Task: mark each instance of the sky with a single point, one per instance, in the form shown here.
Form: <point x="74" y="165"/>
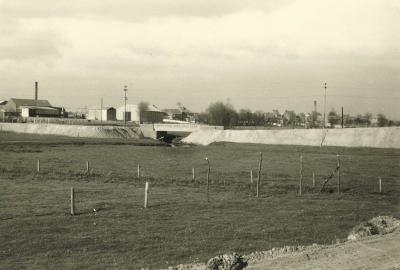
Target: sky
<point x="258" y="55"/>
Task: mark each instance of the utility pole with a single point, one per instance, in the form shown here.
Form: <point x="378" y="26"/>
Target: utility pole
<point x="325" y="87"/>
<point x="101" y="110"/>
<point x="342" y="119"/>
<point x="125" y="99"/>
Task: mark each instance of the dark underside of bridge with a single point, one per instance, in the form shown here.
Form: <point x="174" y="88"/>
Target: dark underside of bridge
<point x="170" y="137"/>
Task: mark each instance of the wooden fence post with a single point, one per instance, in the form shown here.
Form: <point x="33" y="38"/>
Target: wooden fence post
<point x="72" y="201"/>
<point x="380" y="184"/>
<point x="87" y="167"/>
<point x="146" y="195"/>
<point x="313" y="179"/>
<point x="301" y="175"/>
<point x="338" y="168"/>
<point x="251" y="176"/>
<point x="259" y="176"/>
<point x="38" y="166"/>
<point x="193" y="175"/>
<point x="208" y="179"/>
<point x="138" y="170"/>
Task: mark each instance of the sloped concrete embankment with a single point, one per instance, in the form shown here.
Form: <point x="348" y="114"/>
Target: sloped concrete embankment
<point x="388" y="137"/>
<point x="73" y="130"/>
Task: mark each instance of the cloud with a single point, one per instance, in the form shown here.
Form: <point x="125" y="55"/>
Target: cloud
<point x="39" y="49"/>
<point x="128" y="10"/>
<point x="28" y="41"/>
<point x="203" y="50"/>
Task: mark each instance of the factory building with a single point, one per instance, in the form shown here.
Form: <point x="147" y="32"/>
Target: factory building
<point x="103" y="114"/>
<point x="133" y="114"/>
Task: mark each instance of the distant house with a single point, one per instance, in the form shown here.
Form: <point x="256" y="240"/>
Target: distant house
<point x="30" y="108"/>
<point x="104" y="114"/>
<point x="180" y="115"/>
<point x="151" y="115"/>
<point x="2" y="109"/>
<point x="374" y="121"/>
<point x="174" y="114"/>
<point x="276" y="118"/>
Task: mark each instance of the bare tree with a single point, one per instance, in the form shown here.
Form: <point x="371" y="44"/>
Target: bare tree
<point x="222" y="114"/>
<point x="382" y="120"/>
<point x="368" y="118"/>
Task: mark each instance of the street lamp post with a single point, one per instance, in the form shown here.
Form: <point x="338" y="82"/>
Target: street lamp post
<point x="101" y="111"/>
<point x="125" y="99"/>
<point x="325" y="86"/>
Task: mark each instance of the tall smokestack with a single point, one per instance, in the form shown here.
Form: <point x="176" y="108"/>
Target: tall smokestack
<point x="315" y="106"/>
<point x="36" y="91"/>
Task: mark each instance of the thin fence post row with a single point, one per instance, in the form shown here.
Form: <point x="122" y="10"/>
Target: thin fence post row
<point x="138" y="170"/>
<point x="251" y="176"/>
<point x="313" y="179"/>
<point x="259" y="175"/>
<point x="380" y="184"/>
<point x="87" y="167"/>
<point x="208" y="179"/>
<point x="38" y="166"/>
<point x="146" y="195"/>
<point x="72" y="201"/>
<point x="301" y="175"/>
<point x="338" y="168"/>
<point x="193" y="175"/>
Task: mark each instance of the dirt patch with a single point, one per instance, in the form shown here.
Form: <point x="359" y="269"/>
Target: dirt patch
<point x="227" y="262"/>
<point x="378" y="225"/>
<point x="377" y="252"/>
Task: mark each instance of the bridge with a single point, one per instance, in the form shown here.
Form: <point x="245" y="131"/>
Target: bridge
<point x="158" y="130"/>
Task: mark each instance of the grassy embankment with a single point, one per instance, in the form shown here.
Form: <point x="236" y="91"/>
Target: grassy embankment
<point x="37" y="232"/>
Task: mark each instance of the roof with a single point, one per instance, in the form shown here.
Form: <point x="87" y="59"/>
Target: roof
<point x="40" y="107"/>
<point x="3" y="102"/>
<point x="98" y="108"/>
<point x="30" y="102"/>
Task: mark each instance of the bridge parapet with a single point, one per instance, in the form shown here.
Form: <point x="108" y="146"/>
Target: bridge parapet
<point x="152" y="130"/>
<point x="184" y="127"/>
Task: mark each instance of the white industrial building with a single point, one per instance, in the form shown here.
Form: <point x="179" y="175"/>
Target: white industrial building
<point x="133" y="114"/>
<point x="104" y="114"/>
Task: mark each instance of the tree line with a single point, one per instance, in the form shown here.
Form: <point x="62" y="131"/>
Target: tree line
<point x="224" y="114"/>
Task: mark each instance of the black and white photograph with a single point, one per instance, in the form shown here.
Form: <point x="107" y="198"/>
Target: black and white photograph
<point x="200" y="134"/>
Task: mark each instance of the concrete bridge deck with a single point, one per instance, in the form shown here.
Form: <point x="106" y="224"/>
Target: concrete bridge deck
<point x="158" y="130"/>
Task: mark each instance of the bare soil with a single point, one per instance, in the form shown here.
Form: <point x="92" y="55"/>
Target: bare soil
<point x="374" y="252"/>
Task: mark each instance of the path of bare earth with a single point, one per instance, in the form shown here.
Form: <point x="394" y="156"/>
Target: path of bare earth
<point x="375" y="252"/>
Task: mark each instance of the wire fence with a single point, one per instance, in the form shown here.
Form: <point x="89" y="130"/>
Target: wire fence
<point x="65" y="121"/>
<point x="303" y="176"/>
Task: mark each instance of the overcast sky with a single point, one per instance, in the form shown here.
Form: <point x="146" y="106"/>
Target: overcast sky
<point x="258" y="54"/>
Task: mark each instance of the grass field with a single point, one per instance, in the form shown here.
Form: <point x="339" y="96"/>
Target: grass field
<point x="37" y="232"/>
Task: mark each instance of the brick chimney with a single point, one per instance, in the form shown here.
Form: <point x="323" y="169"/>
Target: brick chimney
<point x="36" y="91"/>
